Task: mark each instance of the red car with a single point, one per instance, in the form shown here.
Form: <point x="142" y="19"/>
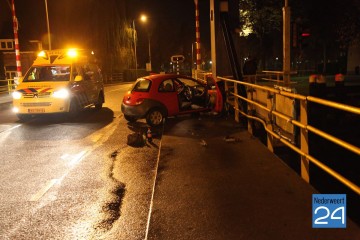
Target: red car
<point x="159" y="96"/>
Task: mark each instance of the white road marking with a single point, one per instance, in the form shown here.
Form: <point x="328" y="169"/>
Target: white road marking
<point x="74" y="160"/>
<point x="36" y="197"/>
<point x="12" y="128"/>
<point x="77" y="158"/>
<point x="153" y="190"/>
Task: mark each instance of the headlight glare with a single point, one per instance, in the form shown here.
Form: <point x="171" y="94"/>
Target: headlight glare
<point x="62" y="93"/>
<point x="16" y="95"/>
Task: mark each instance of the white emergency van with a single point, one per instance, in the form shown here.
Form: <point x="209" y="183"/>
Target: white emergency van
<point x="59" y="81"/>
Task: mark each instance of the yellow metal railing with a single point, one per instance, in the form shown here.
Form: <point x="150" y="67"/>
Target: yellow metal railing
<point x="302" y="123"/>
<point x="7" y="86"/>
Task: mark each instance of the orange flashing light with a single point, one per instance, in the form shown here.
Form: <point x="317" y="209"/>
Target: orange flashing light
<point x="42" y="54"/>
<point x="72" y="53"/>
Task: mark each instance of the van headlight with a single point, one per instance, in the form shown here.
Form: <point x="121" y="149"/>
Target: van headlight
<point x="62" y="93"/>
<point x="16" y="95"/>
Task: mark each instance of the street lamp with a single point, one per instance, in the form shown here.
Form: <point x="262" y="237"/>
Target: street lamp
<point x="144" y="18"/>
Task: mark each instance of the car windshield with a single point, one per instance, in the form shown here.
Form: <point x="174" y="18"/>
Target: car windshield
<point x="142" y="85"/>
<point x="48" y="73"/>
<point x="188" y="82"/>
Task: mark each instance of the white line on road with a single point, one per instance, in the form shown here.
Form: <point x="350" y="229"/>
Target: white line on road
<point x="153" y="189"/>
<point x="36" y="197"/>
<point x="12" y="128"/>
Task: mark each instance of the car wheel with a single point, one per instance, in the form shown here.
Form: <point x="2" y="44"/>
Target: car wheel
<point x="130" y="118"/>
<point x="100" y="102"/>
<point x="23" y="117"/>
<point x="155" y="117"/>
<point x="74" y="109"/>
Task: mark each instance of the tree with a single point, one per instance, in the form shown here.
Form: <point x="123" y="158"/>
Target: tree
<point x="264" y="17"/>
<point x="111" y="34"/>
<point x="331" y="25"/>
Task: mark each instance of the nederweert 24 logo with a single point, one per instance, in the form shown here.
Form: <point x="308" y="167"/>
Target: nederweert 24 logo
<point x="329" y="210"/>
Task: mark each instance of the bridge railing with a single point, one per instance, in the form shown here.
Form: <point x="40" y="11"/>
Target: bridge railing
<point x="7" y="86"/>
<point x="301" y="122"/>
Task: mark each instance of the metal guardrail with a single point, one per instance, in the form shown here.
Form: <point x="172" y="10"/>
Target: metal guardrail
<point x="113" y="77"/>
<point x="7" y="86"/>
<point x="302" y="123"/>
<point x="277" y="76"/>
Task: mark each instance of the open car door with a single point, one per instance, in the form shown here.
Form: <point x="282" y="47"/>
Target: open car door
<point x="216" y="98"/>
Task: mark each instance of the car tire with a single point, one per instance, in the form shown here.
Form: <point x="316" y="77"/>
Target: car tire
<point x="73" y="109"/>
<point x="24" y="117"/>
<point x="99" y="103"/>
<point x="155" y="117"/>
<point x="130" y="118"/>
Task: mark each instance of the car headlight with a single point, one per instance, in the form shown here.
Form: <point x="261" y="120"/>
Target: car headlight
<point x="62" y="93"/>
<point x="16" y="95"/>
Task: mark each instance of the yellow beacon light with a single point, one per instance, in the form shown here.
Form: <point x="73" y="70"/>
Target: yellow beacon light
<point x="72" y="53"/>
<point x="42" y="54"/>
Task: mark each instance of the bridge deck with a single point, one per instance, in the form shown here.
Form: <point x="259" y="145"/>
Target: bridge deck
<point x="224" y="190"/>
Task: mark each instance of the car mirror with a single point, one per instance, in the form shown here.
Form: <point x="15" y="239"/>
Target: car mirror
<point x="78" y="78"/>
<point x="18" y="80"/>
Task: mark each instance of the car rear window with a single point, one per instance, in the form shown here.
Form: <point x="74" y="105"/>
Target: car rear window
<point x="142" y="85"/>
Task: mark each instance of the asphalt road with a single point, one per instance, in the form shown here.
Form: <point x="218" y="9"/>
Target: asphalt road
<point x="77" y="179"/>
<point x="62" y="179"/>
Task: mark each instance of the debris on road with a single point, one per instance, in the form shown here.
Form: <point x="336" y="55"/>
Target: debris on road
<point x="149" y="135"/>
<point x="231" y="139"/>
<point x="203" y="143"/>
<point x="136" y="139"/>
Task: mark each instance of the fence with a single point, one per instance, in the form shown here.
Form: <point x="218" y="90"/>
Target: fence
<point x="7" y="86"/>
<point x="301" y="122"/>
<point x="113" y="77"/>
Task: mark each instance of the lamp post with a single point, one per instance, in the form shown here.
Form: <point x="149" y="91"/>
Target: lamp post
<point x="134" y="35"/>
<point x="48" y="25"/>
<point x="144" y="18"/>
<point x="286" y="42"/>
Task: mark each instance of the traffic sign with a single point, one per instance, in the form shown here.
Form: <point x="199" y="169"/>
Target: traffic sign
<point x="177" y="58"/>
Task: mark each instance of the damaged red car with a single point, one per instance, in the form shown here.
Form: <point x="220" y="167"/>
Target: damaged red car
<point x="156" y="97"/>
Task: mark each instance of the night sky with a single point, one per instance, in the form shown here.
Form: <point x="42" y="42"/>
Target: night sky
<point x="173" y="20"/>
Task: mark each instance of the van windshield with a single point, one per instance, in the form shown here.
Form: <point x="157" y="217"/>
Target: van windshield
<point x="48" y="73"/>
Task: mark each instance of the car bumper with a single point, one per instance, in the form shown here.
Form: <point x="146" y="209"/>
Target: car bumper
<point x="39" y="106"/>
<point x="138" y="111"/>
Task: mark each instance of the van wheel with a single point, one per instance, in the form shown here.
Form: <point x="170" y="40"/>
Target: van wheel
<point x="155" y="117"/>
<point x="100" y="102"/>
<point x="74" y="109"/>
<point x="23" y="117"/>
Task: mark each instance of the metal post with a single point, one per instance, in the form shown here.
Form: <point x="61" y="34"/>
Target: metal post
<point x="134" y="34"/>
<point x="212" y="33"/>
<point x="197" y="26"/>
<point x="192" y="61"/>
<point x="270" y="138"/>
<point x="286" y="43"/>
<point x="48" y="25"/>
<point x="149" y="53"/>
<point x="304" y="142"/>
<point x="236" y="103"/>
<point x="250" y="95"/>
<point x="16" y="38"/>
